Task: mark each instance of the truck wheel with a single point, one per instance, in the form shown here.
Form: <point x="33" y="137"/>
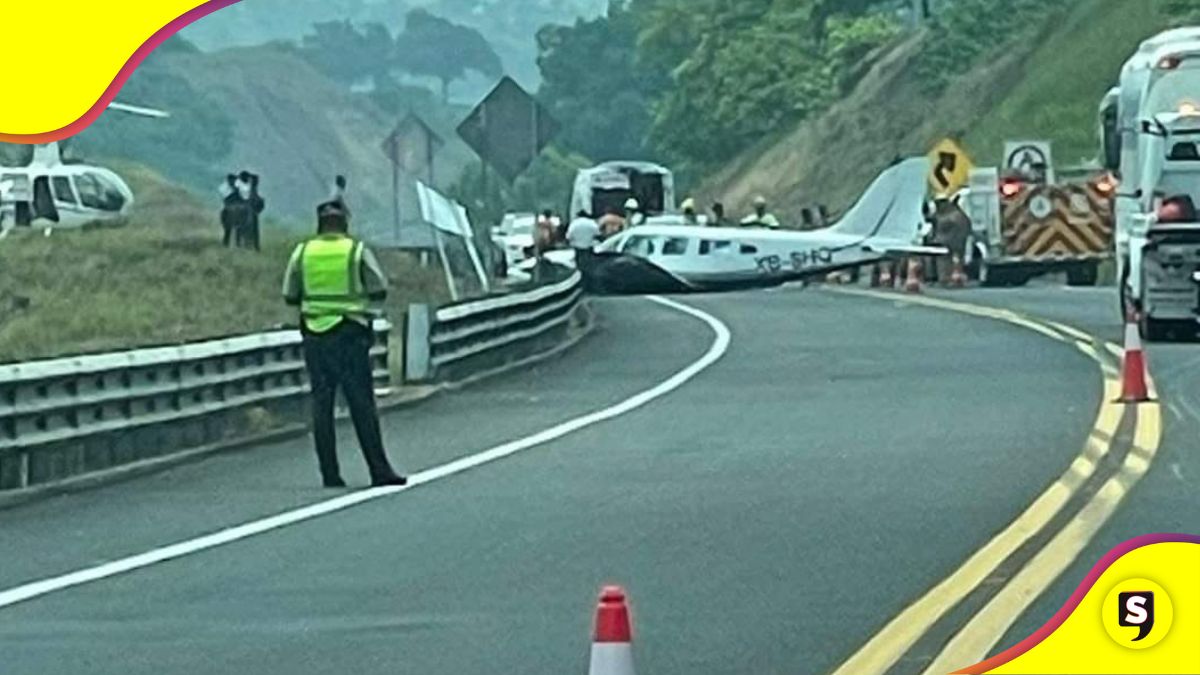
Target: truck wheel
<point x="1084" y="274"/>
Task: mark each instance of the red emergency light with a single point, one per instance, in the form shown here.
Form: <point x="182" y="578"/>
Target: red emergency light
<point x="1010" y="188"/>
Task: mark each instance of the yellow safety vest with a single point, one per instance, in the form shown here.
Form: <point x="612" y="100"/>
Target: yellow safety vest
<point x="331" y="286"/>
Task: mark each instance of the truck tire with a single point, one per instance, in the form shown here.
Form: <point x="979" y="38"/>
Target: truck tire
<point x="1083" y="274"/>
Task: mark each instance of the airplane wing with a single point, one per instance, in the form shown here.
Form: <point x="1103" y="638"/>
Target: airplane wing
<point x="899" y="249"/>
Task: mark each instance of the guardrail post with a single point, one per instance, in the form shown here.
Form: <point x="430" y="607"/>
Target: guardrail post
<point x="417" y="325"/>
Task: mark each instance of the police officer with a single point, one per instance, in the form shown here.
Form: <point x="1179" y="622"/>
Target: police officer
<point x="333" y="278"/>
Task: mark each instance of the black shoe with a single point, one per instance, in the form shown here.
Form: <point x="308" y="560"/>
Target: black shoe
<point x="334" y="483"/>
<point x="389" y="481"/>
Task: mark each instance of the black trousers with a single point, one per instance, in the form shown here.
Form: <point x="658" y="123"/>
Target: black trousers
<point x="341" y="359"/>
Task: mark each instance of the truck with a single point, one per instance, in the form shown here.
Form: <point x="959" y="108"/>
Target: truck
<point x="609" y="185"/>
<point x="1026" y="225"/>
<point x="1149" y="130"/>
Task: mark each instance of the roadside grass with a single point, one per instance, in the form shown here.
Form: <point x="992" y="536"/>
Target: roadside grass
<point x="163" y="278"/>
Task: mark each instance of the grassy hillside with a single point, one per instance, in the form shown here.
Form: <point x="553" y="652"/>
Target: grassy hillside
<point x="161" y="279"/>
<point x="1064" y="79"/>
<point x="267" y="110"/>
<point x="1046" y="83"/>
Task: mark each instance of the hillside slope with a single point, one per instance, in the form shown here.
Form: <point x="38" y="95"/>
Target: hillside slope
<point x="163" y="278"/>
<point x="1047" y="84"/>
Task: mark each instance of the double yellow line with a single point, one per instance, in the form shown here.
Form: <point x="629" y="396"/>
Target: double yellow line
<point x="985" y="629"/>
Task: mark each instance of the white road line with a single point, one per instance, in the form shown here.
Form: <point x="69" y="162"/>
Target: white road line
<point x="719" y="346"/>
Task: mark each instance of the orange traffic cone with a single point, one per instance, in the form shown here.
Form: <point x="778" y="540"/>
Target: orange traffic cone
<point x="912" y="281"/>
<point x="1133" y="365"/>
<point x="612" y="644"/>
<point x="958" y="278"/>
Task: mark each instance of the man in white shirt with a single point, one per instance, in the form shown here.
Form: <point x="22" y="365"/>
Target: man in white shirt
<point x="583" y="234"/>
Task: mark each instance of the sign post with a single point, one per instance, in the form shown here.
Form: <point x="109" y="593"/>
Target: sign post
<point x="411" y="148"/>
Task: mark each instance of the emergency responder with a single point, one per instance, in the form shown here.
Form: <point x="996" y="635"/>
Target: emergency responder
<point x="719" y="219"/>
<point x="689" y="212"/>
<point x="952" y="229"/>
<point x="333" y="278"/>
<point x="761" y="216"/>
<point x="633" y="213"/>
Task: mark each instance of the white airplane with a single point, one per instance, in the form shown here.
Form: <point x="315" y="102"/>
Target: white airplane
<point x="47" y="193"/>
<point x="887" y="222"/>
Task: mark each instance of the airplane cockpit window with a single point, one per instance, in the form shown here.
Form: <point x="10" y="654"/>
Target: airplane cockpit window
<point x="747" y="249"/>
<point x="639" y="245"/>
<point x="62" y="190"/>
<point x="98" y="192"/>
<point x="675" y="246"/>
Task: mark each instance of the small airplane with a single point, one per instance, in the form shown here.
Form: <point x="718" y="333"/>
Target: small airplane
<point x="887" y="222"/>
<point x="49" y="193"/>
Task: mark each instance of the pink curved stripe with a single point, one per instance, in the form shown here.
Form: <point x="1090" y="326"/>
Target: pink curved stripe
<point x="1084" y="588"/>
<point x="122" y="77"/>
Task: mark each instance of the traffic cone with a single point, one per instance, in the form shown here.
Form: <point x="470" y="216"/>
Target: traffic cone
<point x="912" y="281"/>
<point x="612" y="644"/>
<point x="958" y="278"/>
<point x="885" y="276"/>
<point x="1133" y="365"/>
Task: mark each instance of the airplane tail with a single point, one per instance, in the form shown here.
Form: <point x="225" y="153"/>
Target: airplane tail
<point x="892" y="207"/>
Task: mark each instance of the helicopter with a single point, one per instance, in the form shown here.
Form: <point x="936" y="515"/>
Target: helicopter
<point x="51" y="194"/>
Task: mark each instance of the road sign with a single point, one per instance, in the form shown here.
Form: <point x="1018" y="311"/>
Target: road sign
<point x="508" y="129"/>
<point x="1031" y="159"/>
<point x="412" y="145"/>
<point x="950" y="167"/>
<point x="410" y="148"/>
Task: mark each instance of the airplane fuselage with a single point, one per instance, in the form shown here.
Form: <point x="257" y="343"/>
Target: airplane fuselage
<point x="705" y="258"/>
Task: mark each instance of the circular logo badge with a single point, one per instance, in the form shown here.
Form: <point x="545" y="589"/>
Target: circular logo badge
<point x="1040" y="207"/>
<point x="1137" y="613"/>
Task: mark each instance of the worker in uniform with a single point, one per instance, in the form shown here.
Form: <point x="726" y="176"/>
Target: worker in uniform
<point x="689" y="212"/>
<point x="951" y="229"/>
<point x="761" y="216"/>
<point x="333" y="279"/>
<point x="633" y="213"/>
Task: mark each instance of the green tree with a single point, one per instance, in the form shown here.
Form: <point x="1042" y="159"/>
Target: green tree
<point x="431" y="46"/>
<point x="349" y="54"/>
<point x="594" y="86"/>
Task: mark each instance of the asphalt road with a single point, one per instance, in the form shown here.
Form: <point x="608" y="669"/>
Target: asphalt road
<point x="768" y="512"/>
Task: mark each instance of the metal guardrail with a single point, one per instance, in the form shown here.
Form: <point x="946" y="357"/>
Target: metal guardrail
<point x="475" y="329"/>
<point x="63" y="400"/>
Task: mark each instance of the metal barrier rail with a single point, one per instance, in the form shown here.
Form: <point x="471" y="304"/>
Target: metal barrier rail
<point x="58" y="400"/>
<point x="457" y="333"/>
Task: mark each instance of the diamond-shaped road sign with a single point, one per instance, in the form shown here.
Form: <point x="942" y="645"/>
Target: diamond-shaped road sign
<point x="412" y="145"/>
<point x="508" y="129"/>
<point x="950" y="166"/>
